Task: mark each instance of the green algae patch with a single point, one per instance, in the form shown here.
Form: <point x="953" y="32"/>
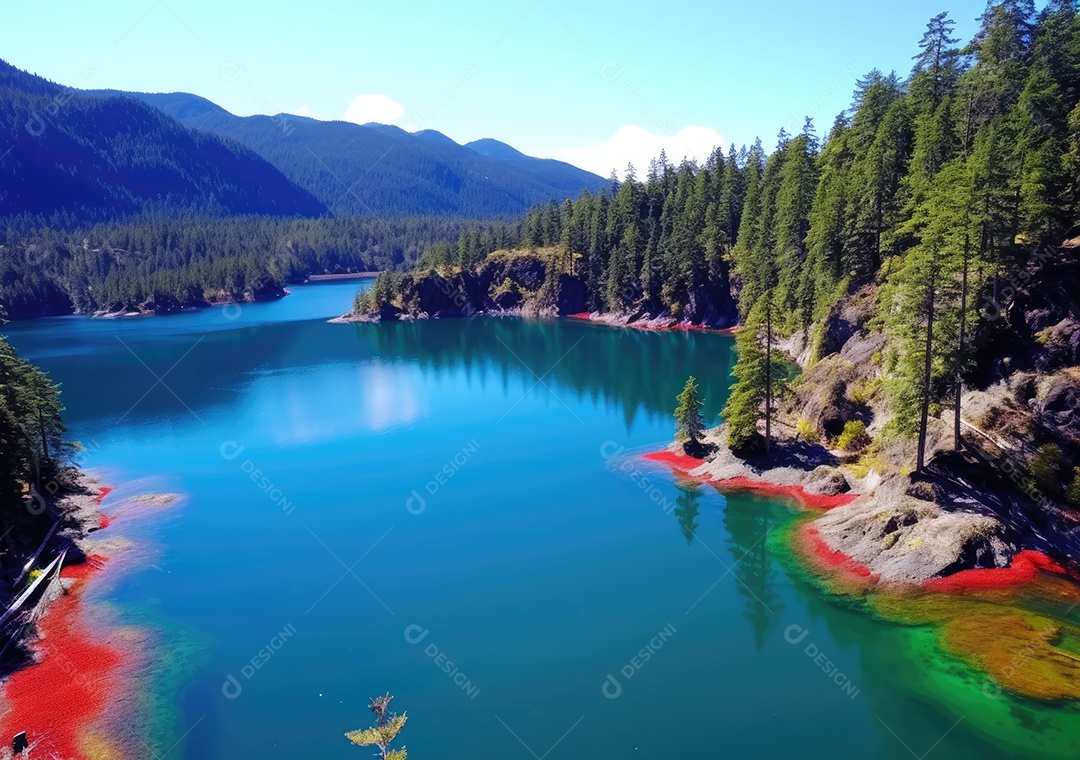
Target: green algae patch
<point x="1019" y="650"/>
<point x="1004" y="661"/>
<point x="1025" y="728"/>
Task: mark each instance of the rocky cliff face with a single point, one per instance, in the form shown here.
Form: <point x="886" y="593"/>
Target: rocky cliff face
<point x="1011" y="488"/>
<point x="527" y="284"/>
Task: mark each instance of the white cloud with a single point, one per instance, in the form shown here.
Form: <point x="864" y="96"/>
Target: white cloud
<point x="305" y="110"/>
<point x="636" y="145"/>
<point x="379" y="108"/>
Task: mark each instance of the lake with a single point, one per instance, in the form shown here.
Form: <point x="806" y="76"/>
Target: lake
<point x="455" y="512"/>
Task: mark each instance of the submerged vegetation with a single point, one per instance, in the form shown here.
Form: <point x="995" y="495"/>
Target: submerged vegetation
<point x="974" y="652"/>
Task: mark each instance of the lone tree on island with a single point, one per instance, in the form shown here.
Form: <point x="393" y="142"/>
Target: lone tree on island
<point x="384" y="732"/>
<point x="689" y="424"/>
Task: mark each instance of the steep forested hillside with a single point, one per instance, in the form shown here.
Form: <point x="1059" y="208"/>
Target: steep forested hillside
<point x="380" y="169"/>
<point x="99" y="157"/>
<point x="936" y="223"/>
<point x="33" y="447"/>
<point x="944" y="194"/>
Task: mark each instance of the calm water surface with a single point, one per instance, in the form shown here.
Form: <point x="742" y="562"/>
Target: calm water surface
<point x="453" y="511"/>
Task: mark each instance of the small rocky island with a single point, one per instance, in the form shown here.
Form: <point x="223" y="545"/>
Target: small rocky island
<point x="531" y="282"/>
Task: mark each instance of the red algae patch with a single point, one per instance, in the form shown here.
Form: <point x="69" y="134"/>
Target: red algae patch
<point x="840" y="566"/>
<point x="646" y="325"/>
<point x="80" y="572"/>
<point x="103" y="491"/>
<point x="683" y="463"/>
<point x="1024" y="569"/>
<point x="75" y="679"/>
<point x="798" y="493"/>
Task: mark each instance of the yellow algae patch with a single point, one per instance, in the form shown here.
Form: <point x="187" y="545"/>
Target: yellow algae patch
<point x="98" y="747"/>
<point x="1017" y="649"/>
<point x="1054" y="589"/>
<point x="1025" y="652"/>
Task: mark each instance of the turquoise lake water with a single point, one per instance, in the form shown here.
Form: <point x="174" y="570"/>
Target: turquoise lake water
<point x="454" y="512"/>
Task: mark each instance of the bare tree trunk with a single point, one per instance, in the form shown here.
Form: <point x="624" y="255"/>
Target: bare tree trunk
<point x="967" y="124"/>
<point x="962" y="348"/>
<point x="925" y="416"/>
<point x="1016" y="201"/>
<point x="768" y="375"/>
<point x="44" y="438"/>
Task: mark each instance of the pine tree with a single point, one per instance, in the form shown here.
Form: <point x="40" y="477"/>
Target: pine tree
<point x="794" y="200"/>
<point x="384" y="732"/>
<point x="729" y="201"/>
<point x="750" y="226"/>
<point x="937" y="65"/>
<point x="877" y="174"/>
<point x="760" y="379"/>
<point x="926" y="304"/>
<point x="689" y="423"/>
<point x="1000" y="47"/>
<point x="622" y="288"/>
<point x="597" y="257"/>
<point x="829" y="218"/>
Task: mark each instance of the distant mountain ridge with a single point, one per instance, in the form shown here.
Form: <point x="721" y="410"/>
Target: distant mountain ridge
<point x="96" y="157"/>
<point x="383" y="169"/>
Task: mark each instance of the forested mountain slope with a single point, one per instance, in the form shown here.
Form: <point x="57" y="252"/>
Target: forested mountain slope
<point x="381" y="169"/>
<point x="161" y="263"/>
<point x="95" y="158"/>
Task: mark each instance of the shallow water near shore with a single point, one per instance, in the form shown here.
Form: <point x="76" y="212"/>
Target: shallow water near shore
<point x="454" y="511"/>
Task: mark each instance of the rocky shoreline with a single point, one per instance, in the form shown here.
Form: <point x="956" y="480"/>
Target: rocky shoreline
<point x="170" y="306"/>
<point x="994" y="576"/>
<point x="531" y="285"/>
<point x="75" y="673"/>
<point x="897" y="529"/>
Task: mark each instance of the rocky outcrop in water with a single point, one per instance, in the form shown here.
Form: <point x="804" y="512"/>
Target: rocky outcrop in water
<point x="1005" y="493"/>
<point x="528" y="285"/>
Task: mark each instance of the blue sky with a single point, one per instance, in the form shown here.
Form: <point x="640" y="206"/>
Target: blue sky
<point x="594" y="83"/>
